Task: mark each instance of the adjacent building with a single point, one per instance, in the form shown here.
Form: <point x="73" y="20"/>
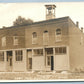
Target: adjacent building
<point x="55" y="44"/>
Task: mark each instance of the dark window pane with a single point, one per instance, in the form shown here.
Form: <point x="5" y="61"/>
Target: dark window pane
<point x="1" y="56"/>
<point x="60" y="50"/>
<point x="58" y="31"/>
<point x="34" y="35"/>
<point x="64" y="50"/>
<point x="46" y="31"/>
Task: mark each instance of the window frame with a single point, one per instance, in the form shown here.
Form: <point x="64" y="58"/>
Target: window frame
<point x="18" y="55"/>
<point x="34" y="38"/>
<point x="1" y="56"/>
<point x="58" y="37"/>
<point x="3" y="41"/>
<point x="45" y="42"/>
<point x="81" y="41"/>
<point x="63" y="52"/>
<point x="15" y="41"/>
<point x="38" y="52"/>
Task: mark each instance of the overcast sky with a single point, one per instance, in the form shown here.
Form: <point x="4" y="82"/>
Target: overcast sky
<point x="36" y="11"/>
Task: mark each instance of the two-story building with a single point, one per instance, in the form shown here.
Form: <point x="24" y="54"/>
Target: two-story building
<point x="54" y="44"/>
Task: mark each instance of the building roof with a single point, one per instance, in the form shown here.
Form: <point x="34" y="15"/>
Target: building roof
<point x="40" y="22"/>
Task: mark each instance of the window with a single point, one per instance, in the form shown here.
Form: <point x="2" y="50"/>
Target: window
<point x="34" y="38"/>
<point x="34" y="35"/>
<point x="58" y="32"/>
<point x="49" y="51"/>
<point x="19" y="55"/>
<point x="81" y="42"/>
<point x="38" y="51"/>
<point x="1" y="56"/>
<point x="15" y="40"/>
<point x="45" y="38"/>
<point x="3" y="41"/>
<point x="58" y="35"/>
<point x="64" y="50"/>
<point x="48" y="60"/>
<point x="60" y="50"/>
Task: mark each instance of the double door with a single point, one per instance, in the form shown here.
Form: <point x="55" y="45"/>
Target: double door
<point x="50" y="62"/>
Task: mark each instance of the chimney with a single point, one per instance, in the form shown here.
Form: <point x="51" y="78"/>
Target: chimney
<point x="81" y="29"/>
<point x="50" y="11"/>
<point x="77" y="24"/>
<point x="3" y="27"/>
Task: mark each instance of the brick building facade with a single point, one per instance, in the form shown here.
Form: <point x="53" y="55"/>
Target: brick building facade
<point x="53" y="44"/>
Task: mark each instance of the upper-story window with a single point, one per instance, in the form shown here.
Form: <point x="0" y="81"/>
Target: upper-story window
<point x="81" y="41"/>
<point x="15" y="40"/>
<point x="3" y="41"/>
<point x="58" y="35"/>
<point x="45" y="38"/>
<point x="34" y="38"/>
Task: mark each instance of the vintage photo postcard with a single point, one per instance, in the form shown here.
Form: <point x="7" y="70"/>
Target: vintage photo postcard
<point x="42" y="41"/>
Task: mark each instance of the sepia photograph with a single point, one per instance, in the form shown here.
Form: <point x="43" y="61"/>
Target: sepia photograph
<point x="42" y="41"/>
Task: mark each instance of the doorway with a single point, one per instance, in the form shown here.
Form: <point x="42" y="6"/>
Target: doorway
<point x="9" y="60"/>
<point x="30" y="63"/>
<point x="52" y="63"/>
<point x="29" y="59"/>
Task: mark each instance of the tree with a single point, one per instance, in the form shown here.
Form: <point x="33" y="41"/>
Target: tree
<point x="22" y="21"/>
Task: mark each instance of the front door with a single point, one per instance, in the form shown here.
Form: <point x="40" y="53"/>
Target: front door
<point x="29" y="59"/>
<point x="52" y="63"/>
<point x="9" y="61"/>
<point x="29" y="63"/>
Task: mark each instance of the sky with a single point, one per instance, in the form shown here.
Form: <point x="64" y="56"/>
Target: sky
<point x="14" y="1"/>
<point x="37" y="12"/>
<point x="48" y="83"/>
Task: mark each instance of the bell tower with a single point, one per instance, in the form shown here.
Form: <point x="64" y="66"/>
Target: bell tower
<point x="50" y="11"/>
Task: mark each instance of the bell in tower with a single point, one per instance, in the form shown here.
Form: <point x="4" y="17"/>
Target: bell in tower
<point x="50" y="11"/>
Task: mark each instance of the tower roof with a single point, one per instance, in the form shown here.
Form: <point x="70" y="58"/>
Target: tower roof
<point x="50" y="6"/>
